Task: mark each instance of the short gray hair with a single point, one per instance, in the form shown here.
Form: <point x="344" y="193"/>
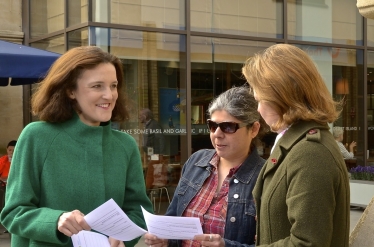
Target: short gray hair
<point x="240" y="103"/>
<point x="337" y="131"/>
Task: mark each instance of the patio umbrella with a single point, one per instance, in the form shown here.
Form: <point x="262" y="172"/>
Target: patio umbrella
<point x="22" y="65"/>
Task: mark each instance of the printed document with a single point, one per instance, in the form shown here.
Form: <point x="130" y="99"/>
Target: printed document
<point x="110" y="220"/>
<point x="172" y="227"/>
<point x="90" y="239"/>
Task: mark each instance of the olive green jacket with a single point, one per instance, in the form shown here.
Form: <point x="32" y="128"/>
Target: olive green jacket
<point x="302" y="192"/>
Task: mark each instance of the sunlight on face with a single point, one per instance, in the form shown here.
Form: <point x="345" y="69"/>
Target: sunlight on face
<point x="233" y="146"/>
<point x="267" y="112"/>
<point x="96" y="94"/>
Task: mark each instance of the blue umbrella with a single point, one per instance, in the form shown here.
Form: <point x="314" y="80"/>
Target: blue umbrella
<point x="23" y="64"/>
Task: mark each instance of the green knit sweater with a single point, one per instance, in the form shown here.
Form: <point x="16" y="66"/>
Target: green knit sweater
<point x="58" y="168"/>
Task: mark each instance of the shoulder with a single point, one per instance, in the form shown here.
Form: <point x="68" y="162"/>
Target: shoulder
<point x="40" y="130"/>
<point x="201" y="157"/>
<point x="316" y="154"/>
<point x="203" y="153"/>
<point x="3" y="158"/>
<point x="41" y="127"/>
<point x="123" y="139"/>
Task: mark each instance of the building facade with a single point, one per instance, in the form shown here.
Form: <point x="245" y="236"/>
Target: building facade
<point x="179" y="54"/>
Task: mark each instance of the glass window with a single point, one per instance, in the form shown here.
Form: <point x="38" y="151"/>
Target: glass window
<point x="54" y="44"/>
<point x="46" y="16"/>
<point x="155" y="79"/>
<point x="148" y="13"/>
<point x="215" y="67"/>
<point x="78" y="38"/>
<point x="370" y="107"/>
<point x="260" y="18"/>
<point x="342" y="71"/>
<point x="370" y="32"/>
<point x="331" y="21"/>
<point x="77" y="11"/>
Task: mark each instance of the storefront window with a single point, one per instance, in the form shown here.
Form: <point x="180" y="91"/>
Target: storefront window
<point x="240" y="17"/>
<point x="370" y="108"/>
<point x="147" y="13"/>
<point x="330" y="21"/>
<point x="342" y="71"/>
<point x="155" y="85"/>
<point x="78" y="38"/>
<point x="46" y="16"/>
<point x="215" y="67"/>
<point x="77" y="11"/>
<point x="370" y="32"/>
<point x="53" y="44"/>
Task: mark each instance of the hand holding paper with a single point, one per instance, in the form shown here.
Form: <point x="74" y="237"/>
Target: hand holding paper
<point x="109" y="219"/>
<point x="172" y="227"/>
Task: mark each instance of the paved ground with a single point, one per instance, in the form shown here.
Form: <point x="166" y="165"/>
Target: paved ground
<point x="5" y="237"/>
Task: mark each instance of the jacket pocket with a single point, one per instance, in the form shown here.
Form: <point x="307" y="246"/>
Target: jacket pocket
<point x="250" y="208"/>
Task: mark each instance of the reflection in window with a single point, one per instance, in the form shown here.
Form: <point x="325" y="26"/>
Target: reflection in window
<point x="341" y="23"/>
<point x="215" y="67"/>
<point x="155" y="13"/>
<point x="341" y="70"/>
<point x="46" y="16"/>
<point x="249" y="18"/>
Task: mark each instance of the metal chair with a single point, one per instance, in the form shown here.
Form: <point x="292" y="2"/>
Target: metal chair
<point x="156" y="181"/>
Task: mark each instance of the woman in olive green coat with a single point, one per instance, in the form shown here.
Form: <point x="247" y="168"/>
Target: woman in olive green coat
<point x="302" y="192"/>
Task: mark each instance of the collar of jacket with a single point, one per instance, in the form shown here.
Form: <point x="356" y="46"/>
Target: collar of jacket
<point x="298" y="131"/>
<point x="245" y="172"/>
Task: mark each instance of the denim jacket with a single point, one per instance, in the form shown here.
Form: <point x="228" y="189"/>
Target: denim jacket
<point x="240" y="226"/>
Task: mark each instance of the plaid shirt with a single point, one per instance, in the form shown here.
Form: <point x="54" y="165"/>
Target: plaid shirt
<point x="210" y="206"/>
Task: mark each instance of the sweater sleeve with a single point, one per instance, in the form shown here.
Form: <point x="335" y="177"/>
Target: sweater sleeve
<point x="21" y="215"/>
<point x="344" y="151"/>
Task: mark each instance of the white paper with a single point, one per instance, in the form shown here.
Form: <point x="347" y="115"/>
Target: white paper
<point x="110" y="220"/>
<point x="90" y="239"/>
<point x="172" y="227"/>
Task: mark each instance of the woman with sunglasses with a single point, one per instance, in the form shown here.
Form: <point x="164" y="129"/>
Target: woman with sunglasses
<point x="216" y="184"/>
<point x="302" y="193"/>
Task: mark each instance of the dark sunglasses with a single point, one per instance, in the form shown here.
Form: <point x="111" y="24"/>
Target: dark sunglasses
<point x="226" y="127"/>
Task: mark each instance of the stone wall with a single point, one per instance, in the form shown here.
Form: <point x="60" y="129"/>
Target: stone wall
<point x="11" y="97"/>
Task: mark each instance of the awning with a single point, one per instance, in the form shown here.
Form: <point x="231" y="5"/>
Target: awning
<point x="20" y="65"/>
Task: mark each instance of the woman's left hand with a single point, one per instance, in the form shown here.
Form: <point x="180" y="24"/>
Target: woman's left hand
<point x="115" y="243"/>
<point x="213" y="240"/>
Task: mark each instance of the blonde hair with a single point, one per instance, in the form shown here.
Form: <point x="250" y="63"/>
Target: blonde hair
<point x="286" y="78"/>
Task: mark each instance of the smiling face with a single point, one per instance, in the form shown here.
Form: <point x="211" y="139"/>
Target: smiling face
<point x="270" y="116"/>
<point x="96" y="94"/>
<point x="233" y="147"/>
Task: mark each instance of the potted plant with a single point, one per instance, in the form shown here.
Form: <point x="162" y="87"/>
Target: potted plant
<point x="362" y="173"/>
<point x="361" y="185"/>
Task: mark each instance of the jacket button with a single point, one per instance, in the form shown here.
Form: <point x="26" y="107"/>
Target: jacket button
<point x="236" y="196"/>
<point x="232" y="219"/>
<point x="236" y="181"/>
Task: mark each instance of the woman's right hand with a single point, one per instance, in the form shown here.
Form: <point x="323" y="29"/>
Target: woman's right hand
<point x="71" y="223"/>
<point x="153" y="241"/>
<point x="352" y="146"/>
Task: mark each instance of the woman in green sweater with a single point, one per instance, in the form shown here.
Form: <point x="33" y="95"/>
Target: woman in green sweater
<point x="73" y="161"/>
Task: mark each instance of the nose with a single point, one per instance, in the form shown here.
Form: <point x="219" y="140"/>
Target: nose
<point x="218" y="132"/>
<point x="108" y="93"/>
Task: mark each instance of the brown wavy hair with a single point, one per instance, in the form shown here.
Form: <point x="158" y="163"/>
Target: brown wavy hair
<point x="51" y="102"/>
<point x="286" y="78"/>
